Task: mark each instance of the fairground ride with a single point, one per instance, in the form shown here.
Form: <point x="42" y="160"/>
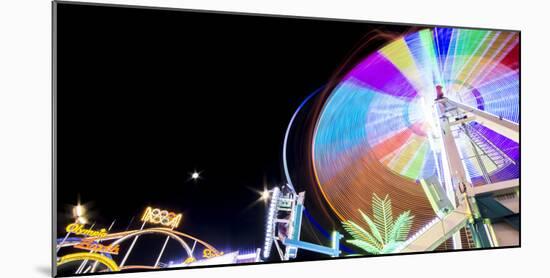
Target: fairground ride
<point x="430" y="119"/>
<point x="101" y="246"/>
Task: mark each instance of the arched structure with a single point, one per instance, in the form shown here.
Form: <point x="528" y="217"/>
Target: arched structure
<point x="109" y="263"/>
<point x="166" y="232"/>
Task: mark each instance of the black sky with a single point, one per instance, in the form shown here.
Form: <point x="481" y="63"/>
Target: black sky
<point x="145" y="97"/>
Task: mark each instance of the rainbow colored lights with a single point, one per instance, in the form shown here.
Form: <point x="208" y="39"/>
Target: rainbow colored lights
<point x="376" y="133"/>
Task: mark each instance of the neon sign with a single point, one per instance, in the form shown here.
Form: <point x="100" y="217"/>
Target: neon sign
<point x="162" y="217"/>
<point x="97" y="247"/>
<point x="209" y="253"/>
<point x="79" y="229"/>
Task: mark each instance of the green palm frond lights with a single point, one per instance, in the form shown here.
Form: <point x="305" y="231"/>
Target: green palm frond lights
<point x="385" y="234"/>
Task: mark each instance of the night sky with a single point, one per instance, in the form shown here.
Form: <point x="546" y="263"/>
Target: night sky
<point x="146" y="97"/>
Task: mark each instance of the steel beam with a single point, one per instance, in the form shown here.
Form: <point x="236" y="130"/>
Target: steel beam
<point x="504" y="127"/>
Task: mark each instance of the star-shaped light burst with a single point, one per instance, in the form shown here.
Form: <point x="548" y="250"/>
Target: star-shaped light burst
<point x="79" y="213"/>
<point x="264" y="195"/>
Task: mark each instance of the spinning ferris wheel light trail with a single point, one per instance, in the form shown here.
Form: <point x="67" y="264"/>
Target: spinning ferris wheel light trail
<point x="439" y="106"/>
<point x="432" y="119"/>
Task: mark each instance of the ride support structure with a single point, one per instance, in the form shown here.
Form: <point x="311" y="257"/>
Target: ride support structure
<point x="457" y="202"/>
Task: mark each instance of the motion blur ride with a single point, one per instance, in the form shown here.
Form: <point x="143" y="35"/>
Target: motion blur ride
<point x="431" y="119"/>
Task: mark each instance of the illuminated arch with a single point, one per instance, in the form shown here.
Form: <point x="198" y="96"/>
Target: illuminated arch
<point x="122" y="236"/>
<point x="203" y="243"/>
<point x="109" y="263"/>
<point x="167" y="232"/>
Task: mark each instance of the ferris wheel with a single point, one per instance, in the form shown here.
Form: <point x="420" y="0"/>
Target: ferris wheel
<point x="432" y="120"/>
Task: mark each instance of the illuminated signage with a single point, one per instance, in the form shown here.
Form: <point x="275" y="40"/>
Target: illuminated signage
<point x="162" y="217"/>
<point x="79" y="229"/>
<point x="97" y="247"/>
<point x="189" y="260"/>
<point x="209" y="253"/>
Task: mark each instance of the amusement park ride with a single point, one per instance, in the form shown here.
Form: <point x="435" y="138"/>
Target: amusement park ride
<point x="284" y="221"/>
<point x="195" y="251"/>
<point x="457" y="203"/>
<point x="388" y="126"/>
<point x="460" y="204"/>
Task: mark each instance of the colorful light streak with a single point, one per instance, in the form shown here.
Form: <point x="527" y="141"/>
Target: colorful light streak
<point x="375" y="132"/>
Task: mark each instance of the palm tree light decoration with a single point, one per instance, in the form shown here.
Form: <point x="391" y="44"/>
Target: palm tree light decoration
<point x="385" y="234"/>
